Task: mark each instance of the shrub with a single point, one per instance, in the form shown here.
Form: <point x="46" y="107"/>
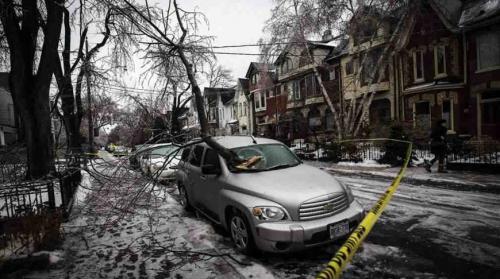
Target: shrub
<point x="395" y="152"/>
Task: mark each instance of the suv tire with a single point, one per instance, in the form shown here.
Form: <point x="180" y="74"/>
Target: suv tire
<point x="241" y="233"/>
<point x="184" y="198"/>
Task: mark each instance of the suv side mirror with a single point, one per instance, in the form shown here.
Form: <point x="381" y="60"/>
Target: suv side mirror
<point x="211" y="169"/>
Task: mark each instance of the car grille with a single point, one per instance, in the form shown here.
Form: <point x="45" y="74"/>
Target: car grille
<point x="323" y="206"/>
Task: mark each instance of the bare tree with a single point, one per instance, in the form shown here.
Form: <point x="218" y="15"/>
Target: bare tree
<point x="174" y="32"/>
<point x="218" y="76"/>
<point x="301" y="19"/>
<point x="105" y="20"/>
<point x="27" y="24"/>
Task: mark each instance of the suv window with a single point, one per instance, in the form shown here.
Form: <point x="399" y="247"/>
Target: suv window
<point x="185" y="153"/>
<point x="211" y="158"/>
<point x="196" y="156"/>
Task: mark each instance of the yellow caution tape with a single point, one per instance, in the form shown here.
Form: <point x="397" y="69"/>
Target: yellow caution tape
<point x="91" y="154"/>
<point x="347" y="251"/>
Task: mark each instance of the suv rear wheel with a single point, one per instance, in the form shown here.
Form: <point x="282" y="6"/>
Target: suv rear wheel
<point x="241" y="234"/>
<point x="183" y="198"/>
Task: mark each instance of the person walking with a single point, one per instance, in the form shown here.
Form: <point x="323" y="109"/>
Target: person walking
<point x="438" y="146"/>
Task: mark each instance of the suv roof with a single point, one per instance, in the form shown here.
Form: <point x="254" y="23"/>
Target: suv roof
<point x="240" y="141"/>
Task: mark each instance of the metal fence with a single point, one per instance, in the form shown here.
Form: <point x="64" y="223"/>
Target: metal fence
<point x="32" y="209"/>
<point x="464" y="155"/>
<point x="19" y="199"/>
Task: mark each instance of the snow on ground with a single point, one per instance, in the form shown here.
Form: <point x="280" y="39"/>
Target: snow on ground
<point x="365" y="163"/>
<point x="151" y="237"/>
<point x="128" y="227"/>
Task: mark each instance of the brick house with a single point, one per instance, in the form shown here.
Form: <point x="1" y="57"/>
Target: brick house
<point x="449" y="68"/>
<point x="480" y="24"/>
<point x="261" y="85"/>
<point x="430" y="69"/>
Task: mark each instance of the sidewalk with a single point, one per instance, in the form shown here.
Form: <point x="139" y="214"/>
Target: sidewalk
<point x="455" y="180"/>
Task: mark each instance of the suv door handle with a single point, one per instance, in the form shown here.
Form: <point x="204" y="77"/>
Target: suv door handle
<point x="203" y="177"/>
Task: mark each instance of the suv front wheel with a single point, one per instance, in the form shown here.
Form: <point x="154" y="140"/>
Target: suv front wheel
<point x="241" y="233"/>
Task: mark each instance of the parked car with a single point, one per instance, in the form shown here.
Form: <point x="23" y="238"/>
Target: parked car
<point x="160" y="161"/>
<point x="278" y="204"/>
<point x="120" y="150"/>
<point x="138" y="151"/>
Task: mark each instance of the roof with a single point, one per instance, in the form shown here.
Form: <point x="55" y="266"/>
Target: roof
<point x="340" y="50"/>
<point x="449" y="11"/>
<point x="245" y="83"/>
<point x="4" y="81"/>
<point x="476" y="12"/>
<point x="226" y="94"/>
<point x="240" y="141"/>
<point x="260" y="67"/>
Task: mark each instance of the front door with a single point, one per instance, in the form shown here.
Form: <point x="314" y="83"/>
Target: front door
<point x="194" y="172"/>
<point x="211" y="186"/>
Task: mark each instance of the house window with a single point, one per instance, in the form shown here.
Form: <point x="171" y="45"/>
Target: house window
<point x="310" y="83"/>
<point x="418" y="65"/>
<point x="447" y="113"/>
<point x="440" y="60"/>
<point x="422" y="116"/>
<point x="349" y="68"/>
<point x="257" y="100"/>
<point x="488" y="50"/>
<point x="333" y="75"/>
<point x="296" y="89"/>
<point x="263" y="100"/>
<point x="314" y="119"/>
<point x="286" y="66"/>
<point x="490" y="108"/>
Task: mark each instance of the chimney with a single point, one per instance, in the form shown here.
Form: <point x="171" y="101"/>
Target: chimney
<point x="327" y="36"/>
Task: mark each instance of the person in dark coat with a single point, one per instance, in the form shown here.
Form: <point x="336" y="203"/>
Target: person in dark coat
<point x="439" y="146"/>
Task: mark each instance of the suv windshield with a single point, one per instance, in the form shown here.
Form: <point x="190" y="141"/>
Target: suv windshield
<point x="266" y="156"/>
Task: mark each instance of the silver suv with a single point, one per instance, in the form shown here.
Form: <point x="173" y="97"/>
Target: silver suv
<point x="277" y="204"/>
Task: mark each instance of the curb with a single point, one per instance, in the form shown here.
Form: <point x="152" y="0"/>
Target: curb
<point x="449" y="185"/>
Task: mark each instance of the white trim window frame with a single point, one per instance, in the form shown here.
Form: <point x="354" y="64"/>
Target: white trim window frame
<point x="451" y="125"/>
<point x="440" y="50"/>
<point x="257" y="100"/>
<point x="296" y="89"/>
<point x="352" y="68"/>
<point x="263" y="100"/>
<point x="416" y="77"/>
<point x="415" y="115"/>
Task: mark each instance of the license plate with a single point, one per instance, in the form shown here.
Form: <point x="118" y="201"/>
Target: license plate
<point x="339" y="229"/>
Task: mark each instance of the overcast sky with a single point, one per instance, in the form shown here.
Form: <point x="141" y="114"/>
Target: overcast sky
<point x="231" y="22"/>
<point x="234" y="22"/>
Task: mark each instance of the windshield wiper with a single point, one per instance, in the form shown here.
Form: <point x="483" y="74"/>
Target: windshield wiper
<point x="282" y="166"/>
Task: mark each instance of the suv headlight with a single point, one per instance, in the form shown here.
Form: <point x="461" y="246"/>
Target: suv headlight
<point x="270" y="213"/>
<point x="350" y="196"/>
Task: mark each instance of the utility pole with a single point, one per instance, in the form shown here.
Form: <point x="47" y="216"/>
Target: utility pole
<point x="89" y="100"/>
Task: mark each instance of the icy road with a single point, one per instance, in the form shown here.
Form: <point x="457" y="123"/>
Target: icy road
<point x="425" y="232"/>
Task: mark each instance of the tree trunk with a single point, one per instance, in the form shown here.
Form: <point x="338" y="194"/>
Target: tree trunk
<point x="35" y="116"/>
<point x="30" y="91"/>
